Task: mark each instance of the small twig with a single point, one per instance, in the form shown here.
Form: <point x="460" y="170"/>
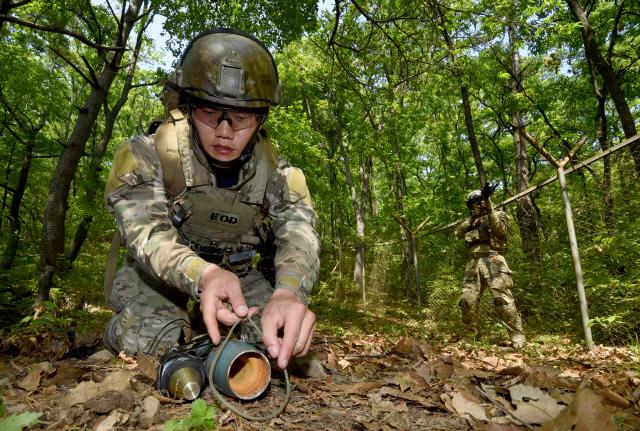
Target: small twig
<point x="363" y="356"/>
<point x="503" y="409"/>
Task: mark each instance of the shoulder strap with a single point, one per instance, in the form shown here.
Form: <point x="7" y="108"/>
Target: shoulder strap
<point x="269" y="153"/>
<point x="168" y="140"/>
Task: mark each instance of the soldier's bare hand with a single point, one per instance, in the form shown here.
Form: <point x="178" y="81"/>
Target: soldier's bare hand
<point x="219" y="287"/>
<point x="286" y="312"/>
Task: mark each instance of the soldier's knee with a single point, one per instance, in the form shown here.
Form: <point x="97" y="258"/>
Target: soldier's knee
<point x="110" y="337"/>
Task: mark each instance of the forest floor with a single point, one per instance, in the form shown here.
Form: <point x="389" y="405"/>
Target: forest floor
<point x="360" y="382"/>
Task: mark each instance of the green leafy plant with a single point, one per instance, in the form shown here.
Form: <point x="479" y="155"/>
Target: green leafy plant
<point x="202" y="419"/>
<point x="47" y="319"/>
<point x="604" y="321"/>
<point x="18" y="421"/>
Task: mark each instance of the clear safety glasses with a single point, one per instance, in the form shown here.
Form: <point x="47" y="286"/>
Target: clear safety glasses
<point x="238" y="120"/>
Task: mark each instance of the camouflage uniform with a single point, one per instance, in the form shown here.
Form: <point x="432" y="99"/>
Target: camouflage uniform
<point x="485" y="239"/>
<point x="150" y="184"/>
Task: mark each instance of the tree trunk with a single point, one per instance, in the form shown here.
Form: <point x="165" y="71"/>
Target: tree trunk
<point x="358" y="269"/>
<point x="602" y="134"/>
<point x="338" y="218"/>
<point x="394" y="173"/>
<point x="5" y="8"/>
<point x="609" y="77"/>
<point x="525" y="211"/>
<point x="7" y="174"/>
<point x="471" y="134"/>
<point x="53" y="230"/>
<point x="397" y="178"/>
<point x="603" y="139"/>
<point x="464" y="95"/>
<point x="14" y="213"/>
<point x="371" y="188"/>
<point x="95" y="166"/>
<point x="399" y="192"/>
<point x="82" y="231"/>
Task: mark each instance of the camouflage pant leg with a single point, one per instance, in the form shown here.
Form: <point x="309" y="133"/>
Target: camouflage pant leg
<point x="257" y="291"/>
<point x="150" y="315"/>
<point x="500" y="283"/>
<point x="473" y="285"/>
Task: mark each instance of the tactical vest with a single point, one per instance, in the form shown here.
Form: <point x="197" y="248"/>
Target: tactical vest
<point x="480" y="238"/>
<point x="224" y="226"/>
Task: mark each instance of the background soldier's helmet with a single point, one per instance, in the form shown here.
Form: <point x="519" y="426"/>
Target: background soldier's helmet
<point x="225" y="67"/>
<point x="474" y="196"/>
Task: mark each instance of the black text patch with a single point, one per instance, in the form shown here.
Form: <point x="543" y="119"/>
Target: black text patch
<point x="224" y="218"/>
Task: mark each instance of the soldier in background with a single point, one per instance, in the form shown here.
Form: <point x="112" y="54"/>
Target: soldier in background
<point x="199" y="200"/>
<point x="485" y="236"/>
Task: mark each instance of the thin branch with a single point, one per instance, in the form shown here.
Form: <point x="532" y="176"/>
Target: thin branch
<point x="375" y="23"/>
<point x="335" y="24"/>
<point x="524" y="92"/>
<point x="72" y="65"/>
<point x="95" y="82"/>
<point x="47" y="156"/>
<point x="144" y="15"/>
<point x="345" y="69"/>
<point x="59" y="30"/>
<point x="14" y="133"/>
<point x="113" y="13"/>
<point x="534" y="142"/>
<point x="8" y="188"/>
<point x="145" y="84"/>
<point x="614" y="31"/>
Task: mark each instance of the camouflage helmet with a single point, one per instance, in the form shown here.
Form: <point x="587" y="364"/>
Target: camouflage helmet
<point x="474" y="196"/>
<point x="226" y="67"/>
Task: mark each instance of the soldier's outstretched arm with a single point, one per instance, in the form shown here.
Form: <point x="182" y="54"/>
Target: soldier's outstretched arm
<point x="297" y="266"/>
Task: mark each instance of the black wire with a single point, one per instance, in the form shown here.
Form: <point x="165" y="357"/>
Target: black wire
<point x="163" y="332"/>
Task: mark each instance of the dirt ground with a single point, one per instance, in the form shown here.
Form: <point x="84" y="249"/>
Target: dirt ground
<point x="351" y="383"/>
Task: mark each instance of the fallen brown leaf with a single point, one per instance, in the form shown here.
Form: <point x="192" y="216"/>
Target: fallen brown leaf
<point x="398" y="418"/>
<point x="406" y="345"/>
<point x="465" y="404"/>
<point x="148" y="366"/>
<point x="587" y="412"/>
<point x="31" y="381"/>
<point x="408" y="380"/>
<point x="534" y="406"/>
<point x="67" y="374"/>
<point x="105" y="402"/>
<point x="110" y="422"/>
<point x="613" y="398"/>
<point x="115" y="381"/>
